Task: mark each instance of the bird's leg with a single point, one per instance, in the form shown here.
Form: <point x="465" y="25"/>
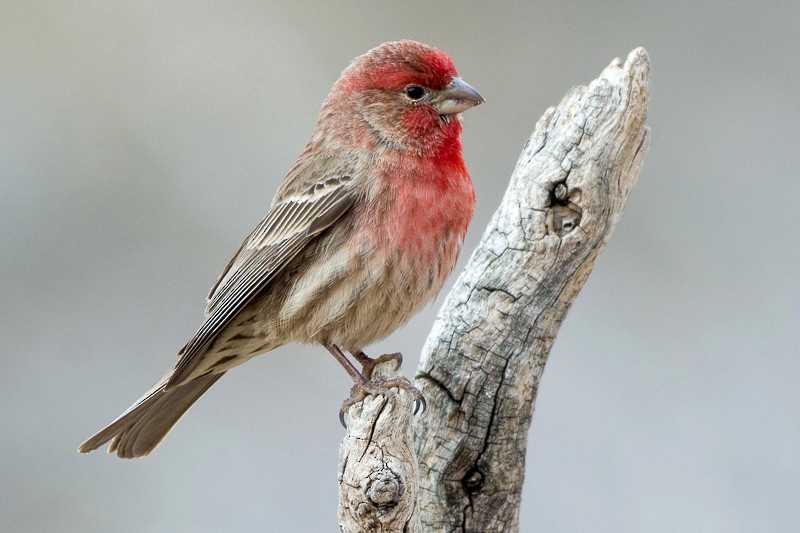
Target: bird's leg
<point x="364" y="387"/>
<point x="345" y="362"/>
<point x="368" y="364"/>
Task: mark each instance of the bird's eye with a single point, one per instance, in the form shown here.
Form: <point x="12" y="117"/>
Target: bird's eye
<point x="415" y="92"/>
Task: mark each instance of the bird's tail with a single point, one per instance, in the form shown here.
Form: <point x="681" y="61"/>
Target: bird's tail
<point x="144" y="425"/>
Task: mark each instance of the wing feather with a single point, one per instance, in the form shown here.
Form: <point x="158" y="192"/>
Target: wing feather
<point x="286" y="230"/>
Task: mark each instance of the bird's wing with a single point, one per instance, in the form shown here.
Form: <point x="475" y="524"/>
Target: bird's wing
<point x="291" y="223"/>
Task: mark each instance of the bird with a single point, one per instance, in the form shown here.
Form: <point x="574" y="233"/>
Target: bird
<point x="361" y="234"/>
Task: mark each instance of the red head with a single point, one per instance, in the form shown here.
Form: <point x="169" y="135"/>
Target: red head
<point x="405" y="94"/>
<point x="395" y="65"/>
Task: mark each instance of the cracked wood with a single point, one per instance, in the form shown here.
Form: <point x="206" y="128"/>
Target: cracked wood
<point x="378" y="475"/>
<point x="485" y="356"/>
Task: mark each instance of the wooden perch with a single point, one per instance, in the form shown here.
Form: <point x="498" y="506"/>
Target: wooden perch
<point x="378" y="474"/>
<point x="484" y="358"/>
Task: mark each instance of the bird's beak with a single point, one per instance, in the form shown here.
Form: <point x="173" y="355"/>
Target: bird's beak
<point x="457" y="97"/>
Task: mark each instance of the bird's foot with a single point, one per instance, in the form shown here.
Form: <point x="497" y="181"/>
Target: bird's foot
<point x="367" y="387"/>
<point x="368" y="364"/>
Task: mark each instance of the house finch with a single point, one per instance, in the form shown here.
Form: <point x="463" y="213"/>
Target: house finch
<point x="362" y="233"/>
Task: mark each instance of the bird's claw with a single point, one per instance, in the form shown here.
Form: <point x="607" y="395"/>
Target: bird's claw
<point x="373" y="388"/>
<point x="419" y="404"/>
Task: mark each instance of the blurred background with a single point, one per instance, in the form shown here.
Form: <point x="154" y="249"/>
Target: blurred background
<point x="141" y="141"/>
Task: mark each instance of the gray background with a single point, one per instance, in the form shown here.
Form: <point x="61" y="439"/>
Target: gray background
<point x="141" y="141"/>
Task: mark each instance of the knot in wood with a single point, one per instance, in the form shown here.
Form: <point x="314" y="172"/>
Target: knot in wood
<point x="560" y="192"/>
<point x="473" y="481"/>
<point x="564" y="219"/>
<point x="384" y="489"/>
<point x="564" y="214"/>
